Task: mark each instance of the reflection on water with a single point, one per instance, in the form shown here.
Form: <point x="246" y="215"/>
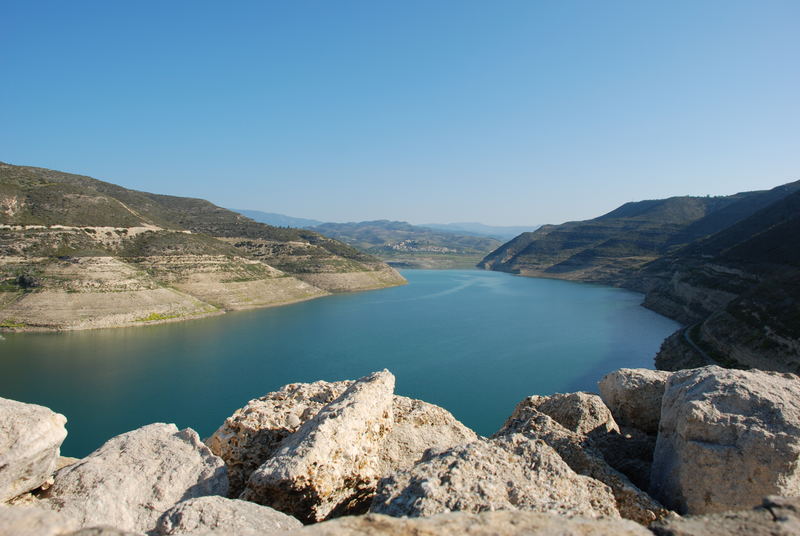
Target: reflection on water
<point x="474" y="342"/>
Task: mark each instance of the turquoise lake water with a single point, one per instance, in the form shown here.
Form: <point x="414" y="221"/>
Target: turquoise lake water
<point x="471" y="341"/>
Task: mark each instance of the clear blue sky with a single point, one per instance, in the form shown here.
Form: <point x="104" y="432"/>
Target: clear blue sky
<point x="505" y="112"/>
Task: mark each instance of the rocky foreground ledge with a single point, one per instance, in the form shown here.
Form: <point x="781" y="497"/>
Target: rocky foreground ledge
<point x="707" y="451"/>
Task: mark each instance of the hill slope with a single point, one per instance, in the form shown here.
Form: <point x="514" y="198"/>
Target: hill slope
<point x="739" y="289"/>
<point x="76" y="252"/>
<point x="609" y="248"/>
<point x="603" y="248"/>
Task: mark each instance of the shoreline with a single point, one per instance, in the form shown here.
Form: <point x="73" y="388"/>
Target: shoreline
<point x="186" y="318"/>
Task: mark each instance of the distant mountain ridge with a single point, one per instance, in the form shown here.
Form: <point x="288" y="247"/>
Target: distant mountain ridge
<point x="729" y="267"/>
<point x="278" y="220"/>
<point x="401" y="244"/>
<point x="70" y="243"/>
<point x="406" y="245"/>
<point x="462" y="228"/>
<point x="493" y="231"/>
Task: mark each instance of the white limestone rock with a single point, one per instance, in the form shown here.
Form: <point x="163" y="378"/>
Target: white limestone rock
<point x="582" y="413"/>
<point x="134" y="477"/>
<point x="30" y="440"/>
<point x="577" y="451"/>
<point x="634" y="396"/>
<point x="332" y="463"/>
<point x="251" y="435"/>
<point x="103" y="530"/>
<point x="509" y="473"/>
<point x="34" y="521"/>
<point x="777" y="516"/>
<point x="726" y="439"/>
<point x="502" y="523"/>
<point x="220" y="515"/>
<point x="418" y="426"/>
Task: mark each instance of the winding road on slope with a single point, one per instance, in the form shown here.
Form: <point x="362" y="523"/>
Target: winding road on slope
<point x="707" y="358"/>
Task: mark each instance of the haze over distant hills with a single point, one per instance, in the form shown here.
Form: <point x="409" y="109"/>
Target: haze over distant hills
<point x="454" y="245"/>
<point x="728" y="266"/>
<point x="278" y="220"/>
<point x="479" y="229"/>
<point x="404" y="245"/>
<point x="463" y="228"/>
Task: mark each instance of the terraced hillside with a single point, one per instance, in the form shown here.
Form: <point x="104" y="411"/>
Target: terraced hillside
<point x="611" y="247"/>
<point x="76" y="252"/>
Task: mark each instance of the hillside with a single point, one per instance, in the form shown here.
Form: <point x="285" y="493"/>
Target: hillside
<point x="404" y="245"/>
<point x="738" y="289"/>
<point x="728" y="267"/>
<point x="76" y="252"/>
<point x="611" y="247"/>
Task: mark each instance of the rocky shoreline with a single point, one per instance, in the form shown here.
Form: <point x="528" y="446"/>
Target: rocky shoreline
<point x="696" y="452"/>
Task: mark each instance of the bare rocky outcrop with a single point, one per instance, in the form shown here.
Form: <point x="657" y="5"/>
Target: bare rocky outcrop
<point x="220" y="515"/>
<point x="34" y="521"/>
<point x="508" y="473"/>
<point x="103" y="531"/>
<point x="134" y="477"/>
<point x="30" y="442"/>
<point x="332" y="462"/>
<point x="582" y="413"/>
<point x="417" y="427"/>
<point x="502" y="523"/>
<point x="579" y="452"/>
<point x="252" y="434"/>
<point x="630" y="452"/>
<point x="777" y="516"/>
<point x="634" y="397"/>
<point x="727" y="436"/>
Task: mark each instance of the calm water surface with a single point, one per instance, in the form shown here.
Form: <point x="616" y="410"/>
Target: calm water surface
<point x="473" y="342"/>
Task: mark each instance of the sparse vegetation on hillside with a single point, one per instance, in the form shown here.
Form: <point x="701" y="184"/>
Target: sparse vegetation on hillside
<point x="87" y="240"/>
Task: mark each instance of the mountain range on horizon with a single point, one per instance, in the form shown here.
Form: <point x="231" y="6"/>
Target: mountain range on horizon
<point x="500" y="232"/>
<point x="403" y="245"/>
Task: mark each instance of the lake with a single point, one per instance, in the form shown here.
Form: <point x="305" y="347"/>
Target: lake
<point x="474" y="342"/>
